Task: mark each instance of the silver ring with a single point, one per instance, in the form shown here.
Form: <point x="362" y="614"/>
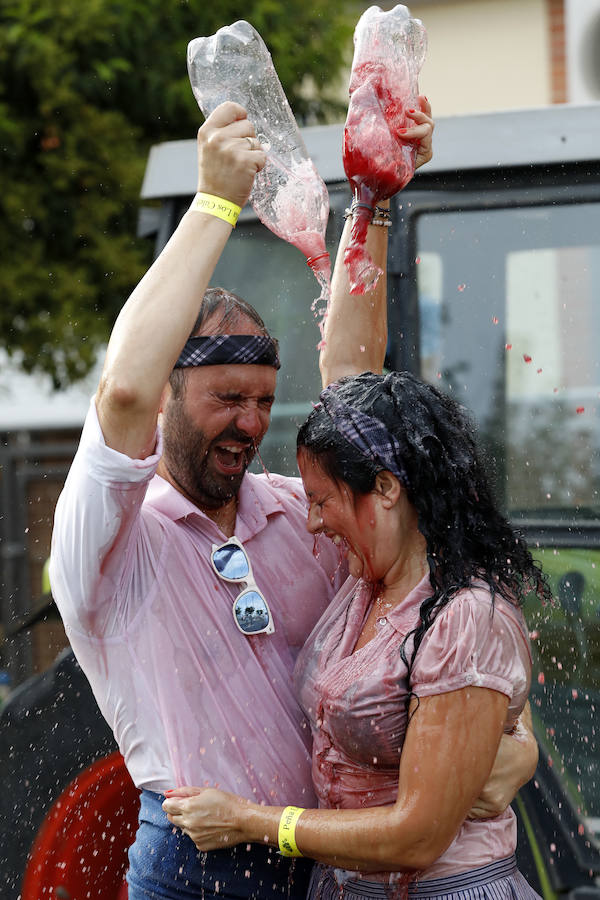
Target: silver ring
<point x="250" y="141"/>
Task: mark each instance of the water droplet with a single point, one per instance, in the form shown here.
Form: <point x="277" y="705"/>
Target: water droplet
<point x="494" y="320"/>
<point x="541" y="678"/>
<point x="362" y="348"/>
<point x="461" y="287"/>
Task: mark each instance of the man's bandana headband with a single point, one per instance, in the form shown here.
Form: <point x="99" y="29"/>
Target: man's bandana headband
<point x="223" y="349"/>
<point x="368" y="435"/>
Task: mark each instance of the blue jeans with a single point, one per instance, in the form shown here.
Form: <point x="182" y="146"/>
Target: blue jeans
<point x="164" y="864"/>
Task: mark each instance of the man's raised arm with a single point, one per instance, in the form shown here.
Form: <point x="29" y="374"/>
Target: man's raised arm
<point x="156" y="321"/>
<point x="355" y="336"/>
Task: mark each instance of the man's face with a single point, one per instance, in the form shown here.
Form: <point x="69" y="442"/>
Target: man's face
<point x="212" y="431"/>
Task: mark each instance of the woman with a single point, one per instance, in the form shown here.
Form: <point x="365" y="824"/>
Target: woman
<point x="417" y="668"/>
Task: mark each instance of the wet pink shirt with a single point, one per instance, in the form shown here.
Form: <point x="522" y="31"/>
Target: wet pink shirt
<point x="357" y="702"/>
<point x="190" y="698"/>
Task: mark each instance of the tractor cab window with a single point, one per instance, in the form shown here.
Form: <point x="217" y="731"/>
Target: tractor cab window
<point x="510" y="324"/>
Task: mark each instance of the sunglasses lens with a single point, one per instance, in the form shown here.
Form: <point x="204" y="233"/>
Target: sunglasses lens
<point x="231" y="562"/>
<point x="251" y="612"/>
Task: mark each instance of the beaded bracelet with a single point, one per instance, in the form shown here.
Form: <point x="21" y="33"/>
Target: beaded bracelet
<point x="381" y="216"/>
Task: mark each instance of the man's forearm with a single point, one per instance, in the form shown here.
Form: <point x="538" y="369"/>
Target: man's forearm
<point x="151" y="330"/>
<point x="159" y="316"/>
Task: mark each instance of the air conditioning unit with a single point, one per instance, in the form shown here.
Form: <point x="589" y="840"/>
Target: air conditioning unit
<point x="582" y="26"/>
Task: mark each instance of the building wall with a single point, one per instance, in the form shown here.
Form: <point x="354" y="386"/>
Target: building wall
<point x="583" y="50"/>
<point x="487" y="55"/>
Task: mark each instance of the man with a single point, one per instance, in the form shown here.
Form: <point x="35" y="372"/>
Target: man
<point x="192" y="675"/>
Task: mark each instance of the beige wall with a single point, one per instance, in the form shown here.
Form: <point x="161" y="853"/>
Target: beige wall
<point x="485" y="54"/>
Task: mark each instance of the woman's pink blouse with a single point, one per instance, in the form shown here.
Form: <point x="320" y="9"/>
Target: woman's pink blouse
<point x="357" y="701"/>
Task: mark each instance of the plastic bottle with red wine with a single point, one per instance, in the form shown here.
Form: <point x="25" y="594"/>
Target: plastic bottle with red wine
<point x="389" y="50"/>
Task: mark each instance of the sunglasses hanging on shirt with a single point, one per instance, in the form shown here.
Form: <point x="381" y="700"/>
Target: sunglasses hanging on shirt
<point x="251" y="612"/>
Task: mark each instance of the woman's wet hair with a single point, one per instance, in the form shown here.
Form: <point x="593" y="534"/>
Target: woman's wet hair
<point x="226" y="308"/>
<point x="448" y="483"/>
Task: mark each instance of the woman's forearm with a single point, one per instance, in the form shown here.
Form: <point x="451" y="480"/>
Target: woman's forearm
<point x="355" y="333"/>
<point x="443" y="768"/>
<point x="379" y="839"/>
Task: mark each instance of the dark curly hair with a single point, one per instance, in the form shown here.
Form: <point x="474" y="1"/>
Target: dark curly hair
<point x="467" y="536"/>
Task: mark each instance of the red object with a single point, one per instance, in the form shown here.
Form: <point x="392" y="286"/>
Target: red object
<point x="81" y="848"/>
<point x="389" y="51"/>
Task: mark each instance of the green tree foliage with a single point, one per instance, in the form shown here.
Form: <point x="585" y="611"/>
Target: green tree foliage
<point x="85" y="88"/>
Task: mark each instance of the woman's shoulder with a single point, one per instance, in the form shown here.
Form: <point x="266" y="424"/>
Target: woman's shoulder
<point x="478" y="600"/>
<point x="474" y="639"/>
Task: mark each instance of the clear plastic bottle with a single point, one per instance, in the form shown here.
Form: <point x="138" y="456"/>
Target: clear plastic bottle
<point x="389" y="50"/>
<point x="288" y="196"/>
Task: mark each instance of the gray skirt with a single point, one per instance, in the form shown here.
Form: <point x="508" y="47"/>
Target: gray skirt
<point x="500" y="880"/>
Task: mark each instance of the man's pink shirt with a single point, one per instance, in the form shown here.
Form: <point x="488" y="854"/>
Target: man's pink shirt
<point x="191" y="700"/>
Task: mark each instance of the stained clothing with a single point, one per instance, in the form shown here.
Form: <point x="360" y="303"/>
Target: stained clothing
<point x="499" y="880"/>
<point x="191" y="700"/>
<point x="357" y="702"/>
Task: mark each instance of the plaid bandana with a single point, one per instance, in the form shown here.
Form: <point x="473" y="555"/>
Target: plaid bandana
<point x="219" y="349"/>
<point x="368" y="435"/>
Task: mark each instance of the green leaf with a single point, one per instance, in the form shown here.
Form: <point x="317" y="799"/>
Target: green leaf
<point x="85" y="89"/>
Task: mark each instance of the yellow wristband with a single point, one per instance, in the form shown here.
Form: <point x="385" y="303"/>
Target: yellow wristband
<point x="216" y="206"/>
<point x="286" y="835"/>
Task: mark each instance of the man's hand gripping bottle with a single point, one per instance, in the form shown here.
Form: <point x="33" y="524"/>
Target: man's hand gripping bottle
<point x="288" y="196"/>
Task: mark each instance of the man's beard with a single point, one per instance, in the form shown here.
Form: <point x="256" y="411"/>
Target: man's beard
<point x="188" y="460"/>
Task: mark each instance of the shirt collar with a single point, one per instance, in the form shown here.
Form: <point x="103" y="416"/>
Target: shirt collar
<point x="403" y="616"/>
<point x="257" y="501"/>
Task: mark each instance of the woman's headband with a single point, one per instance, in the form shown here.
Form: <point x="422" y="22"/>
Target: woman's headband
<point x="224" y="349"/>
<point x="368" y="435"/>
